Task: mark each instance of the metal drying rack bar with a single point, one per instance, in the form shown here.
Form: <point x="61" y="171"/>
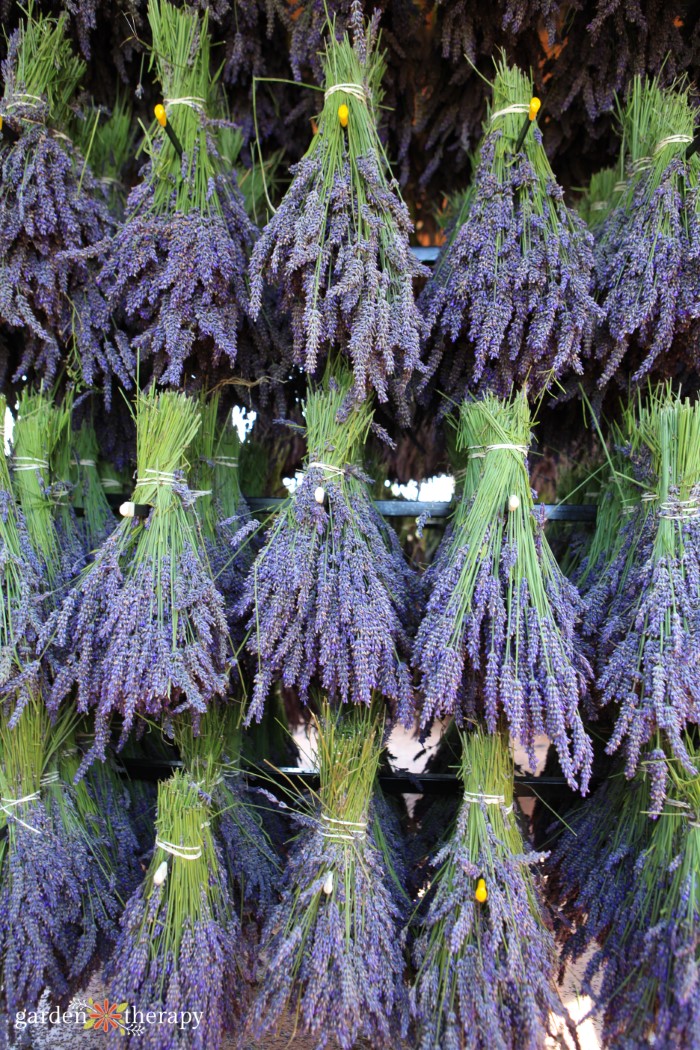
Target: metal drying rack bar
<point x="399" y="508"/>
<point x="398" y="782"/>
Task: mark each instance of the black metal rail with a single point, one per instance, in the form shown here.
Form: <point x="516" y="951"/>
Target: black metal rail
<point x="399" y="508"/>
<point x="398" y="782"/>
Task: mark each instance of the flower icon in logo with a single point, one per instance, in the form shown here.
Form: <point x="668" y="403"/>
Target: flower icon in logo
<point x="105" y="1016"/>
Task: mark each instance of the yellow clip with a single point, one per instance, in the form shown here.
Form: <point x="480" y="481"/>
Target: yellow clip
<point x="161" y="117"/>
<point x="343" y="114"/>
<point x="0" y="123"/>
<point x="481" y="893"/>
<point x="534" y="107"/>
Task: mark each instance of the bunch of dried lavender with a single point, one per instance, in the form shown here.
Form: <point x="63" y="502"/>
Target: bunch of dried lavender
<point x="332" y="948"/>
<point x="180" y="936"/>
<point x="337" y="246"/>
<point x="629" y="886"/>
<point x="512" y="290"/>
<point x="89" y="494"/>
<point x="483" y="954"/>
<point x="43" y="879"/>
<point x="53" y="222"/>
<point x="647" y="277"/>
<point x="40" y="428"/>
<point x="176" y="268"/>
<point x="498" y="638"/>
<point x="253" y="869"/>
<point x="330" y="596"/>
<point x="227" y="528"/>
<point x="21" y="581"/>
<point x="142" y="632"/>
<point x="592" y="871"/>
<point x="649" y="641"/>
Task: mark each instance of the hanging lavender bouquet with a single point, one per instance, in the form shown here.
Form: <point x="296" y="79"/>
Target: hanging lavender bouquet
<point x="57" y="899"/>
<point x="253" y="869"/>
<point x="592" y="871"/>
<point x="498" y="638"/>
<point x="40" y="428"/>
<point x="332" y="948"/>
<point x="228" y="530"/>
<point x="650" y="988"/>
<point x="89" y="494"/>
<point x="179" y="945"/>
<point x="53" y="219"/>
<point x="485" y="961"/>
<point x="647" y="276"/>
<point x="510" y="298"/>
<point x="176" y="268"/>
<point x="330" y="596"/>
<point x="337" y="246"/>
<point x="20" y="579"/>
<point x="649" y="643"/>
<point x="142" y="632"/>
<point x="629" y="887"/>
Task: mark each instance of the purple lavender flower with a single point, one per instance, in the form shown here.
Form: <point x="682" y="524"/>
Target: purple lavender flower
<point x="347" y="981"/>
<point x="337" y="246"/>
<point x="330" y="599"/>
<point x="53" y="227"/>
<point x="509" y="301"/>
<point x="499" y="633"/>
<point x="179" y="280"/>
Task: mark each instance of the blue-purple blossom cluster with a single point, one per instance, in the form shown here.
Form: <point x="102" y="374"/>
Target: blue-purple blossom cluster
<point x="647" y="276"/>
<point x="628" y="887"/>
<point x="142" y="632"/>
<point x="122" y="644"/>
<point x="53" y="226"/>
<point x="642" y="612"/>
<point x="338" y="245"/>
<point x="485" y="971"/>
<point x="499" y="634"/>
<point x="333" y="946"/>
<point x="510" y="299"/>
<point x="331" y="598"/>
<point x="179" y="282"/>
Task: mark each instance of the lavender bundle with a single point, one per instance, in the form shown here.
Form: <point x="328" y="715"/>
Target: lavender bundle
<point x="142" y="632"/>
<point x="498" y="635"/>
<point x="177" y="265"/>
<point x="252" y="867"/>
<point x="512" y="290"/>
<point x="483" y="955"/>
<point x="36" y="430"/>
<point x="629" y="885"/>
<point x="593" y="870"/>
<point x="332" y="948"/>
<point x="89" y="494"/>
<point x="650" y="988"/>
<point x="647" y="276"/>
<point x="179" y="940"/>
<point x="21" y="611"/>
<point x="649" y="643"/>
<point x="330" y="595"/>
<point x="53" y="221"/>
<point x="44" y="877"/>
<point x="227" y="527"/>
<point x="337" y="246"/>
